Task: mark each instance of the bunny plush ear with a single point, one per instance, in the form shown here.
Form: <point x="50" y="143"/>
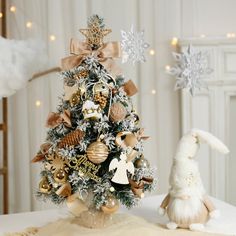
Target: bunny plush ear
<point x="210" y="139"/>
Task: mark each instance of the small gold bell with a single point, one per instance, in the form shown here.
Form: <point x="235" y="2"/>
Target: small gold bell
<point x="60" y="176"/>
<point x="141" y="162"/>
<point x="44" y="185"/>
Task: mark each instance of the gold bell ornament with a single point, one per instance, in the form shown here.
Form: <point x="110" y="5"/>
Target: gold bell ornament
<point x="44" y="185"/>
<point x="97" y="152"/>
<point x="60" y="176"/>
<point x="141" y="162"/>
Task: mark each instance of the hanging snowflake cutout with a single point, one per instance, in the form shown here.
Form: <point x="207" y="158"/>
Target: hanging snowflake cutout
<point x="133" y="46"/>
<point x="190" y="68"/>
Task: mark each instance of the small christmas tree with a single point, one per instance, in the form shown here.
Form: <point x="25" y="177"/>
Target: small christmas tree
<point x="92" y="157"/>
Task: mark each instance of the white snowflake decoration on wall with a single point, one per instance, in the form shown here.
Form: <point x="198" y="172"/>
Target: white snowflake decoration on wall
<point x="133" y="46"/>
<point x="189" y="69"/>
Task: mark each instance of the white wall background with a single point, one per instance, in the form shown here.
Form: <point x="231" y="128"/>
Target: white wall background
<point x="160" y="113"/>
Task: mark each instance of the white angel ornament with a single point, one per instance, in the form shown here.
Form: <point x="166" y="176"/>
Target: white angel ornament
<point x="121" y="166"/>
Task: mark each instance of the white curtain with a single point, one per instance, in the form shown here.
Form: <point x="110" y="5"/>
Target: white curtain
<point x="159" y="112"/>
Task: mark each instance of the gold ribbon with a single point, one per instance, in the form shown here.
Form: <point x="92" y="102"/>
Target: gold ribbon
<point x="104" y="54"/>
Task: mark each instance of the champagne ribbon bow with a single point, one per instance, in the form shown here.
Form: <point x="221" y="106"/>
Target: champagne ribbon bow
<point x="104" y="55"/>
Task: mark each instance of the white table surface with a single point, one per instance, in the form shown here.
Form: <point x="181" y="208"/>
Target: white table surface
<point x="226" y="224"/>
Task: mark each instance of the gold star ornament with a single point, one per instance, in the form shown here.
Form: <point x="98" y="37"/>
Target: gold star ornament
<point x="95" y="33"/>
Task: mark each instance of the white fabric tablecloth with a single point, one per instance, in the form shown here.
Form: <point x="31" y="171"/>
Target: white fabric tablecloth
<point x="226" y="224"/>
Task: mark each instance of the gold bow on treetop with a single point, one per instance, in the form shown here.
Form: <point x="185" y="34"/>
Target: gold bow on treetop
<point x="104" y="55"/>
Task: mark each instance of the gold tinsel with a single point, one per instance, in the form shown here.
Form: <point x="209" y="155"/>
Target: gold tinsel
<point x="71" y="139"/>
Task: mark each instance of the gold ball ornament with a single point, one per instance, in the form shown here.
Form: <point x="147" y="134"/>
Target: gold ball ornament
<point x="44" y="185"/>
<point x="111" y="205"/>
<point x="75" y="99"/>
<point x="97" y="152"/>
<point x="117" y="112"/>
<point x="141" y="162"/>
<point x="60" y="176"/>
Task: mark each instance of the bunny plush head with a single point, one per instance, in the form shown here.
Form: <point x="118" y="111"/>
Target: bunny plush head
<point x="190" y="143"/>
<point x="185" y="176"/>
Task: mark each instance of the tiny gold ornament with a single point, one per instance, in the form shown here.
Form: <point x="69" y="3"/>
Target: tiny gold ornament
<point x="111" y="205"/>
<point x="141" y="162"/>
<point x="81" y="74"/>
<point x="44" y="185"/>
<point x="60" y="176"/>
<point x="97" y="152"/>
<point x="117" y="112"/>
<point x="75" y="99"/>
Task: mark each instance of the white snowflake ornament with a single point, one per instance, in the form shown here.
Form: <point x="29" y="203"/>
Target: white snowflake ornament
<point x="133" y="46"/>
<point x="189" y="69"/>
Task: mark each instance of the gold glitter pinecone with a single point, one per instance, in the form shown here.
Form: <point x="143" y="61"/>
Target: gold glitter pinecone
<point x="101" y="100"/>
<point x="71" y="139"/>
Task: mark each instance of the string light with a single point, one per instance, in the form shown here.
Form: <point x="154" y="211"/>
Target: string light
<point x="167" y="67"/>
<point x="174" y="41"/>
<point x="13" y="9"/>
<point x="152" y="52"/>
<point x="29" y="24"/>
<point x="153" y="91"/>
<point x="230" y="35"/>
<point x="38" y="103"/>
<point x="52" y="37"/>
<point x="1" y="15"/>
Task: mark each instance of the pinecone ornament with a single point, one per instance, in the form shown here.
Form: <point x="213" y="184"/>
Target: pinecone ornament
<point x="101" y="100"/>
<point x="71" y="139"/>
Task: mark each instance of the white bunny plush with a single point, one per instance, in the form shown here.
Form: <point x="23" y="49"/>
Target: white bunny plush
<point x="187" y="204"/>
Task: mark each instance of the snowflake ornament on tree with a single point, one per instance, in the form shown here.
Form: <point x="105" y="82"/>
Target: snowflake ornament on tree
<point x="190" y="67"/>
<point x="133" y="46"/>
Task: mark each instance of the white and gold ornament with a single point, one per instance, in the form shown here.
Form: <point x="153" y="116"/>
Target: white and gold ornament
<point x="91" y="110"/>
<point x="121" y="166"/>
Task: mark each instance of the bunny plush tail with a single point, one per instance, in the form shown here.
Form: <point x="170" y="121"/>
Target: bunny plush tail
<point x="210" y="139"/>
